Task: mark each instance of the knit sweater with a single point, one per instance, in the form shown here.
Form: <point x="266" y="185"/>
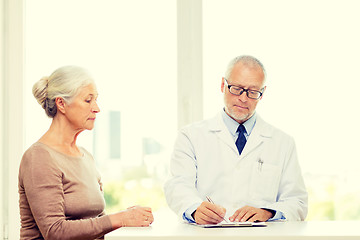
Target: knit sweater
<point x="60" y="196"/>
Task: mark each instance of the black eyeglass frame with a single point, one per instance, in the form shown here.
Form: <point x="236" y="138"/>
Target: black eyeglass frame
<point x="242" y="90"/>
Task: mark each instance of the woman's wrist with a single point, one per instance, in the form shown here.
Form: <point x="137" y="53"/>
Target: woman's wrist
<point x="116" y="220"/>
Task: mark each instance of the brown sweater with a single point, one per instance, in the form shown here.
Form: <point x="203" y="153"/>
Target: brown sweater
<point x="60" y="196"/>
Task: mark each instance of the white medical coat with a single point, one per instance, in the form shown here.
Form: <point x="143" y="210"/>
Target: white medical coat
<point x="206" y="162"/>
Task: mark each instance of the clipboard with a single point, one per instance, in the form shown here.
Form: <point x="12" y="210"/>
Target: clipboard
<point x="231" y="224"/>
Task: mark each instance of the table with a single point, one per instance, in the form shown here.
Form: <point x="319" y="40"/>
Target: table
<point x="168" y="226"/>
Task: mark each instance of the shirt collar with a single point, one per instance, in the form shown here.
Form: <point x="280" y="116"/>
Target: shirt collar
<point x="233" y="125"/>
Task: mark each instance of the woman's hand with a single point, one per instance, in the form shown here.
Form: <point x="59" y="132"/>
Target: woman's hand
<point x="135" y="216"/>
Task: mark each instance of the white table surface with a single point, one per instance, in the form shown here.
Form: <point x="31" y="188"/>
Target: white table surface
<point x="168" y="226"/>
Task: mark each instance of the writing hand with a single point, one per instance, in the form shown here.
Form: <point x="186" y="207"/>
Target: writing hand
<point x="251" y="214"/>
<point x="209" y="213"/>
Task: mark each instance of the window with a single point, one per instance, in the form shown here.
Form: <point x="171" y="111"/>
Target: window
<point x="131" y="53"/>
<point x="310" y="51"/>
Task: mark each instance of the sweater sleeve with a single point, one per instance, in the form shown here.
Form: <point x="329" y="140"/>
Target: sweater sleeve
<point x="42" y="181"/>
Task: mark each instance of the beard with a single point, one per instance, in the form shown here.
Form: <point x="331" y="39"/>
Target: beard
<point x="237" y="116"/>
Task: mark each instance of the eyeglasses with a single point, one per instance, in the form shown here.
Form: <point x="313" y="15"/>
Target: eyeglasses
<point x="236" y="90"/>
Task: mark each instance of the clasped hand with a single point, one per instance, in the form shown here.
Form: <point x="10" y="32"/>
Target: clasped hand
<point x="209" y="213"/>
<point x="135" y="216"/>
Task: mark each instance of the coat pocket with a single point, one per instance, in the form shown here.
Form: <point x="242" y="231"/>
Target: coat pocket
<point x="265" y="179"/>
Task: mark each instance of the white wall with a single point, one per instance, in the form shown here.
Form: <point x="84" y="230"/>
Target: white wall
<point x="190" y="59"/>
<point x="2" y="79"/>
<point x="311" y="52"/>
<point x="12" y="111"/>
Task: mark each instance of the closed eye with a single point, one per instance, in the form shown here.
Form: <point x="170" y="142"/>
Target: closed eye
<point x="253" y="91"/>
<point x="236" y="88"/>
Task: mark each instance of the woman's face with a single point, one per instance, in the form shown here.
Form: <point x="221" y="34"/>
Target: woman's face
<point x="81" y="112"/>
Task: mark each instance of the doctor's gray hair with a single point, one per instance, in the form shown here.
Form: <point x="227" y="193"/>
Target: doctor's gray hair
<point x="65" y="82"/>
<point x="247" y="60"/>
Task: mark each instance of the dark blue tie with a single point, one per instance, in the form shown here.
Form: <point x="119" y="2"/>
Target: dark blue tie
<point x="241" y="140"/>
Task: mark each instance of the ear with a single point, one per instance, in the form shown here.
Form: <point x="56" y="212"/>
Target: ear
<point x="263" y="93"/>
<point x="60" y="104"/>
<point x="222" y="85"/>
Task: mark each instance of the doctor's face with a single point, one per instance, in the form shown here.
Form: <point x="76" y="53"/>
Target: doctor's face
<point x="241" y="108"/>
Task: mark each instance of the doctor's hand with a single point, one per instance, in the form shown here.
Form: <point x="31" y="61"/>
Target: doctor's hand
<point x="251" y="214"/>
<point x="209" y="213"/>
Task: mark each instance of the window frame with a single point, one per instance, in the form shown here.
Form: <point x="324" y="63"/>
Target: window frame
<point x="11" y="103"/>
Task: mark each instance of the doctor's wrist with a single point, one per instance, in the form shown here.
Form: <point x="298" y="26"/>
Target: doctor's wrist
<point x="193" y="214"/>
<point x="272" y="212"/>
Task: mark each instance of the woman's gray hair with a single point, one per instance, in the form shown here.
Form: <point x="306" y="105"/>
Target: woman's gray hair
<point x="64" y="82"/>
<point x="247" y="60"/>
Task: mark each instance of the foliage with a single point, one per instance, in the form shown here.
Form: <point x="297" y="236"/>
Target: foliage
<point x="120" y="195"/>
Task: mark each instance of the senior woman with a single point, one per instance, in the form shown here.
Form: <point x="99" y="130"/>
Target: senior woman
<point x="60" y="189"/>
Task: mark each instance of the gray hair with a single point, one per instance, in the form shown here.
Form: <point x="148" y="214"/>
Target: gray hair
<point x="247" y="60"/>
<point x="64" y="82"/>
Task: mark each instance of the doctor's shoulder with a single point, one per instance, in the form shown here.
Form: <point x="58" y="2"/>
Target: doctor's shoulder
<point x="277" y="134"/>
<point x="197" y="128"/>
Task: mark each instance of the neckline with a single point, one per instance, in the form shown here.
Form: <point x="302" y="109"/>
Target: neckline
<point x="64" y="154"/>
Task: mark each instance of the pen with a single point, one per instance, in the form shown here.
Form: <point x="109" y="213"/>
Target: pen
<point x="260" y="164"/>
<point x="211" y="201"/>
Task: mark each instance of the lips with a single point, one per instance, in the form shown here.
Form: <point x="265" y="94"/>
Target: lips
<point x="91" y="119"/>
<point x="240" y="107"/>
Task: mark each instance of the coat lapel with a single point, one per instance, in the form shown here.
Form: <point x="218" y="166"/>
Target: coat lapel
<point x="259" y="134"/>
<point x="218" y="126"/>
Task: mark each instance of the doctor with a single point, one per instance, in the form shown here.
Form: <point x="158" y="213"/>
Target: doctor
<point x="246" y="168"/>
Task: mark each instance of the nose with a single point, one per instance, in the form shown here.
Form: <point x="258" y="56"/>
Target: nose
<point x="96" y="108"/>
<point x="243" y="97"/>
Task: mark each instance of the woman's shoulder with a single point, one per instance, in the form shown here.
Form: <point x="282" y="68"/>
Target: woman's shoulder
<point x="37" y="163"/>
<point x="36" y="153"/>
<point x="86" y="154"/>
<point x="35" y="149"/>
